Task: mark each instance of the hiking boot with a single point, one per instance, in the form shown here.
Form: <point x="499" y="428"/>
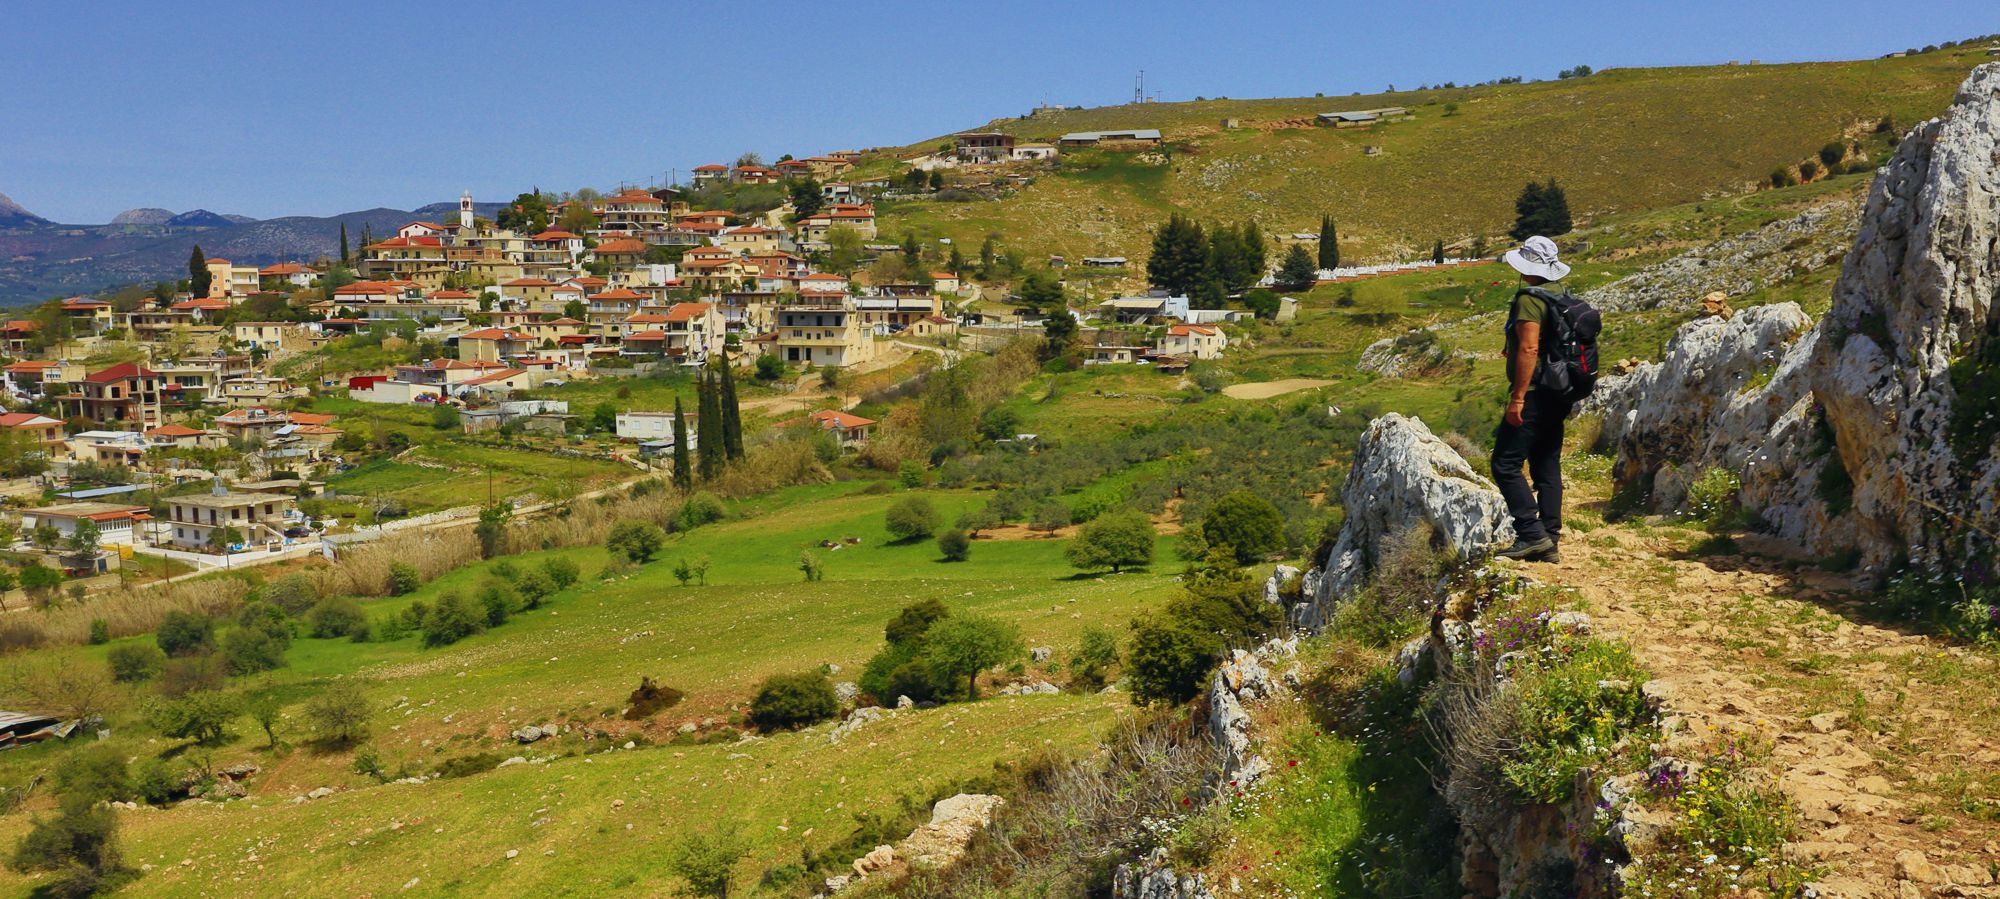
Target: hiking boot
<point x="1529" y="550"/>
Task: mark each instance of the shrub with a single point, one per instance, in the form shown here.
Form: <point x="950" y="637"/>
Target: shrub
<point x="954" y="545"/>
<point x="336" y="616"/>
<point x="1831" y="154"/>
<point x="100" y="632"/>
<point x="403" y="578"/>
<point x="793" y="700"/>
<point x="534" y="588"/>
<point x="1571" y="715"/>
<point x="769" y="368"/>
<point x="157" y="782"/>
<point x="915" y="620"/>
<point x="497" y="600"/>
<point x="912" y="518"/>
<point x="192" y="674"/>
<point x="1245" y="523"/>
<point x="812" y="566"/>
<point x="295" y="593"/>
<point x="339" y="715"/>
<point x="561" y="571"/>
<point x="699" y="509"/>
<point x="704" y="860"/>
<point x="1167" y="659"/>
<point x="248" y="650"/>
<point x="1114" y="540"/>
<point x="636" y="541"/>
<point x="454" y="618"/>
<point x="202" y="716"/>
<point x="1808" y="170"/>
<point x="1095" y="658"/>
<point x="134" y="662"/>
<point x="185" y="634"/>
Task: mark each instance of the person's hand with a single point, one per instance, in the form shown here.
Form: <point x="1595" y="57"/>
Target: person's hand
<point x="1514" y="408"/>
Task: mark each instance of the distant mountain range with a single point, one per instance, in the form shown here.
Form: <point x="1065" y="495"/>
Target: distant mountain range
<point x="40" y="259"/>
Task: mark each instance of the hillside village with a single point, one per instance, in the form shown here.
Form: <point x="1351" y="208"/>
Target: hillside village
<point x="779" y="533"/>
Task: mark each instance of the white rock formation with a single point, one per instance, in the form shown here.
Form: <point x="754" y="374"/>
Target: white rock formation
<point x="1403" y="477"/>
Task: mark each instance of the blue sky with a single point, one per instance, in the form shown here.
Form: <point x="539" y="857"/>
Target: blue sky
<point x="275" y="108"/>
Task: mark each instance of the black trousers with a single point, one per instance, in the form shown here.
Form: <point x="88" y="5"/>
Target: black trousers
<point x="1537" y="443"/>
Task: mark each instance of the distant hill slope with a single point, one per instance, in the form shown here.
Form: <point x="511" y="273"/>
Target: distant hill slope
<point x="40" y="259"/>
<point x="1619" y="140"/>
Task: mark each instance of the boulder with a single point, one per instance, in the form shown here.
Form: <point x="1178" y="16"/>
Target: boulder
<point x="905" y="702"/>
<point x="846" y="691"/>
<point x="1403" y="477"/>
<point x="1274" y="586"/>
<point x="877" y="859"/>
<point x="529" y="734"/>
<point x="953" y="824"/>
<point x="1041" y="653"/>
<point x="1155" y="878"/>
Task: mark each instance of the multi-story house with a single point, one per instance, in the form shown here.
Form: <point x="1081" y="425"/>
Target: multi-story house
<point x="1198" y="341"/>
<point x="196" y="521"/>
<point x="823" y="333"/>
<point x="418" y="259"/>
<point x="633" y="212"/>
<point x="128" y="393"/>
<point x="494" y="345"/>
<point x="232" y="282"/>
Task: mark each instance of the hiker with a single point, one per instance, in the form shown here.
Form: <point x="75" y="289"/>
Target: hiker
<point x="1551" y="363"/>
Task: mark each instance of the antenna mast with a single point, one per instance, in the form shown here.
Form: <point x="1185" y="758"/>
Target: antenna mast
<point x="1139" y="87"/>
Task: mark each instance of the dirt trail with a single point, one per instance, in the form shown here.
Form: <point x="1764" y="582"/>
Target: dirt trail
<point x="1263" y="390"/>
<point x="1887" y="743"/>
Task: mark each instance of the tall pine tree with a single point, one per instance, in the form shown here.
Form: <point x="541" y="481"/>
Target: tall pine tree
<point x="683" y="471"/>
<point x="199" y="279"/>
<point x="1179" y="262"/>
<point x="1255" y="255"/>
<point x="1555" y="210"/>
<point x="1329" y="243"/>
<point x="1296" y="272"/>
<point x="709" y="447"/>
<point x="732" y="415"/>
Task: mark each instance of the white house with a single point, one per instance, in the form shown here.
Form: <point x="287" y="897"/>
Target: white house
<point x="1198" y="341"/>
<point x="650" y="426"/>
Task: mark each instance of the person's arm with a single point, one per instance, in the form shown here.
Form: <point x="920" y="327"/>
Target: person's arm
<point x="1521" y="367"/>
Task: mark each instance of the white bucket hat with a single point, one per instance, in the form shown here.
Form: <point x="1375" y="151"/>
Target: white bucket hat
<point x="1537" y="256"/>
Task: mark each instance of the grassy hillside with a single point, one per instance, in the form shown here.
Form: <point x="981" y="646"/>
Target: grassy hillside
<point x="1619" y="141"/>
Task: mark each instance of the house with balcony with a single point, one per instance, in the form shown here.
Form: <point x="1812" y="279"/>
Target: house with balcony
<point x="202" y="521"/>
<point x="710" y="172"/>
<point x="232" y="282"/>
<point x="287" y="273"/>
<point x="87" y="317"/>
<point x="127" y="393"/>
<point x="850" y="430"/>
<point x="822" y="333"/>
<point x="495" y="345"/>
<point x="1195" y="341"/>
<point x="633" y="212"/>
<point x="983" y="146"/>
<point x="419" y="259"/>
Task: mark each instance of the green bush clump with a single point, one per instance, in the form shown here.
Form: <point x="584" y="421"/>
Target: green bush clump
<point x="134" y="662"/>
<point x="337" y="617"/>
<point x="403" y="578"/>
<point x="1571" y="714"/>
<point x="786" y="701"/>
<point x="185" y="634"/>
<point x="912" y="518"/>
<point x="1172" y="650"/>
<point x="636" y="541"/>
<point x="454" y="618"/>
<point x="954" y="545"/>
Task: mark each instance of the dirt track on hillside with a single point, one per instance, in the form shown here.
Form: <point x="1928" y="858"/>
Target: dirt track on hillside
<point x="1884" y="741"/>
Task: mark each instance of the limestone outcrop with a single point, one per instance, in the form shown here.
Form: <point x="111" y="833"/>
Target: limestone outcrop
<point x="1737" y="264"/>
<point x="1403" y="477"/>
<point x="1877" y="428"/>
<point x="1712" y="401"/>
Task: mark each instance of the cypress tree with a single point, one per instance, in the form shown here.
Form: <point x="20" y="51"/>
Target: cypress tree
<point x="199" y="279"/>
<point x="683" y="471"/>
<point x="1329" y="243"/>
<point x="345" y="255"/>
<point x="732" y="415"/>
<point x="1437" y="253"/>
<point x="708" y="444"/>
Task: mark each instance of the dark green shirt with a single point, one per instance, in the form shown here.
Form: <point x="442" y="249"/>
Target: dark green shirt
<point x="1527" y="308"/>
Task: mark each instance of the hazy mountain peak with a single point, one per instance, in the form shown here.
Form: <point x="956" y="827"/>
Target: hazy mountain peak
<point x="148" y="215"/>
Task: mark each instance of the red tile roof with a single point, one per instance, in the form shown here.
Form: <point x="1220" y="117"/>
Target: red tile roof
<point x="25" y="419"/>
<point x="123" y="371"/>
<point x="644" y="336"/>
<point x="529" y="282"/>
<point x="283" y="268"/>
<point x="174" y="431"/>
<point x="622" y="293"/>
<point x="711" y="167"/>
<point x="554" y="235"/>
<point x="1185" y="330"/>
<point x="622" y="246"/>
<point x="834" y="418"/>
<point x="685" y="311"/>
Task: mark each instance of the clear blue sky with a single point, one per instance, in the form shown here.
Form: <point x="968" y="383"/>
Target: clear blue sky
<point x="275" y="108"/>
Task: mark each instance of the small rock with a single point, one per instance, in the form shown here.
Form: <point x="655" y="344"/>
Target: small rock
<point x="514" y="760"/>
<point x="1041" y="653"/>
<point x="905" y="702"/>
<point x="630" y="745"/>
<point x="1914" y="866"/>
<point x="513" y="853"/>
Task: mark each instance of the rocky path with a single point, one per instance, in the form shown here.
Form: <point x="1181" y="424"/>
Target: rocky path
<point x="1887" y="743"/>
